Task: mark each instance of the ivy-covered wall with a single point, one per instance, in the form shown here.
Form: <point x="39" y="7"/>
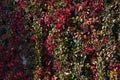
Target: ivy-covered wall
<point x="59" y="39"/>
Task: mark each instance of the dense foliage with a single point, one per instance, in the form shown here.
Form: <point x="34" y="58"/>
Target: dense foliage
<point x="59" y="40"/>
